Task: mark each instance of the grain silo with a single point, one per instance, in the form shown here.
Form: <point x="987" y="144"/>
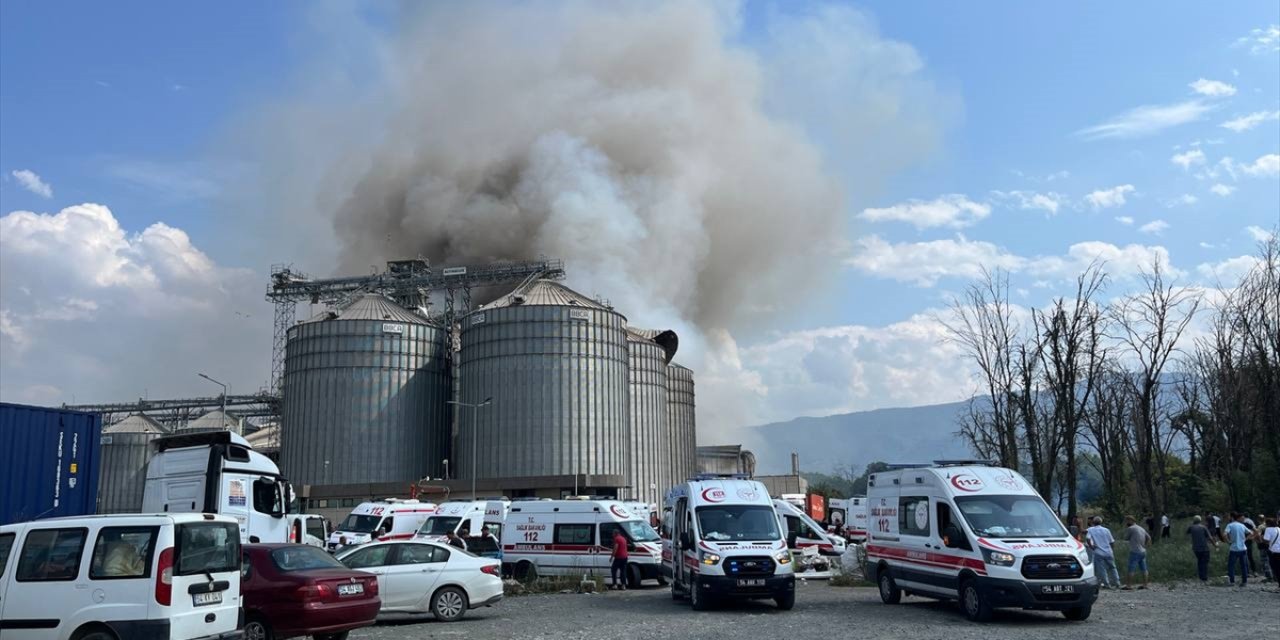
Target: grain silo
<point x="652" y="468"/>
<point x="126" y="449"/>
<point x="554" y="363"/>
<point x="365" y="392"/>
<point x="684" y="438"/>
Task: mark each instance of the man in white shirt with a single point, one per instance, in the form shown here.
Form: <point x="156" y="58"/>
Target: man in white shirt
<point x="1104" y="558"/>
<point x="1271" y="540"/>
<point x="1164" y="526"/>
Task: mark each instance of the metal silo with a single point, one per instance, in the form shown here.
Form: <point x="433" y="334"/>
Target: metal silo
<point x="651" y="445"/>
<point x="684" y="437"/>
<point x="554" y="363"/>
<point x="365" y="391"/>
<point x="126" y="450"/>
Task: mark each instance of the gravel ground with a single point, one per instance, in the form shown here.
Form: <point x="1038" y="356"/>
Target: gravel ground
<point x="1163" y="612"/>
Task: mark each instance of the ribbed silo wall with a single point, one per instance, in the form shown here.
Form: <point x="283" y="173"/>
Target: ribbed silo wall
<point x="364" y="401"/>
<point x="558" y="379"/>
<point x="123" y="471"/>
<point x="651" y="451"/>
<point x="680" y="419"/>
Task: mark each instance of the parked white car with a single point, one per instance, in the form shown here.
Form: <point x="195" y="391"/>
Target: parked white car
<point x="428" y="577"/>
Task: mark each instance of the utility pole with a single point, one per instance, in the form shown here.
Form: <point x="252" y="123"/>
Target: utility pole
<point x="475" y="436"/>
<point x="224" y="397"/>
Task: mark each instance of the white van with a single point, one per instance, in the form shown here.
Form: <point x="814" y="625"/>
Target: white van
<point x="975" y="533"/>
<point x="116" y="577"/>
<point x="218" y="472"/>
<point x="855" y="520"/>
<point x="726" y="543"/>
<point x="471" y="519"/>
<point x="644" y="510"/>
<point x="803" y="532"/>
<point x="573" y="537"/>
<point x="390" y="519"/>
<point x="308" y="528"/>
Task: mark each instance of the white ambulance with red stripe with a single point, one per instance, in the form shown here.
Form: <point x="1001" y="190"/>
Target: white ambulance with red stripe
<point x="849" y="517"/>
<point x="575" y="537"/>
<point x="803" y="532"/>
<point x="726" y="543"/>
<point x="474" y="520"/>
<point x="389" y="519"/>
<point x="974" y="533"/>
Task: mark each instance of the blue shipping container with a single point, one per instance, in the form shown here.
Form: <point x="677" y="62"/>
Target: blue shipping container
<point x="48" y="462"/>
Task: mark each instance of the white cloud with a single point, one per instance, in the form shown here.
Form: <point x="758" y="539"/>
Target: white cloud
<point x="1121" y="262"/>
<point x="92" y="309"/>
<point x="1155" y="227"/>
<point x="1212" y="88"/>
<point x="951" y="210"/>
<point x="1206" y="245"/>
<point x="1147" y="120"/>
<point x="1228" y="271"/>
<point x="1264" y="166"/>
<point x="1185" y="199"/>
<point x="1032" y="200"/>
<point x="1185" y="160"/>
<point x="1247" y="122"/>
<point x="1262" y="41"/>
<point x="32" y="182"/>
<point x="1222" y="189"/>
<point x="1258" y="233"/>
<point x="1107" y="198"/>
<point x="923" y="263"/>
<point x="1125" y="220"/>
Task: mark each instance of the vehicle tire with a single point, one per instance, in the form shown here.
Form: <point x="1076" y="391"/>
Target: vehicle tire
<point x="1078" y="613"/>
<point x="526" y="571"/>
<point x="889" y="591"/>
<point x="256" y="629"/>
<point x="787" y="602"/>
<point x="342" y="635"/>
<point x="697" y="599"/>
<point x="975" y="607"/>
<point x="633" y="576"/>
<point x="449" y="604"/>
<point x="96" y="635"/>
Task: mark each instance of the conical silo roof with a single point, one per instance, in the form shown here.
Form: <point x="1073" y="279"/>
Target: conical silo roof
<point x="370" y="306"/>
<point x="138" y="423"/>
<point x="546" y="292"/>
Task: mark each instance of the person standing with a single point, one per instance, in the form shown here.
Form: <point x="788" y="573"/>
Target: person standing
<point x="1100" y="541"/>
<point x="1138" y="539"/>
<point x="1236" y="535"/>
<point x="1164" y="526"/>
<point x="455" y="540"/>
<point x="1248" y="544"/>
<point x="1271" y="541"/>
<point x="618" y="566"/>
<point x="1200" y="547"/>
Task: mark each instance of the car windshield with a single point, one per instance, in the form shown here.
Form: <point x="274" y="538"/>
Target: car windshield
<point x="359" y="524"/>
<point x="1010" y="517"/>
<point x="303" y="558"/>
<point x="439" y="525"/>
<point x="640" y="531"/>
<point x="737" y="523"/>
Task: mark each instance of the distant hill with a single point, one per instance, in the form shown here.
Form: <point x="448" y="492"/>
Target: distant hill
<point x="911" y="434"/>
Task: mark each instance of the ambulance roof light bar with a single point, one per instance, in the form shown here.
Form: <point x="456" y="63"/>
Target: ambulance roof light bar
<point x="964" y="463"/>
<point x="719" y="476"/>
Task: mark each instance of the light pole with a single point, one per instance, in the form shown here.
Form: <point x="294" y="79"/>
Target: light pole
<point x="224" y="397"/>
<point x="475" y="437"/>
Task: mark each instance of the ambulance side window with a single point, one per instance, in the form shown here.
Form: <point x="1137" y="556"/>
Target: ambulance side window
<point x="913" y="515"/>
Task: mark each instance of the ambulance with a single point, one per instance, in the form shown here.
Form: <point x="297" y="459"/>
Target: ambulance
<point x="389" y="519"/>
<point x="803" y="532"/>
<point x="575" y="537"/>
<point x="974" y="533"/>
<point x="726" y="543"/>
<point x="855" y="520"/>
<point x="471" y="519"/>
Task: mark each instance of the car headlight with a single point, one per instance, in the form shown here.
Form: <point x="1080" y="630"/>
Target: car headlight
<point x="998" y="558"/>
<point x="783" y="557"/>
<point x="1085" y="559"/>
<point x="710" y="558"/>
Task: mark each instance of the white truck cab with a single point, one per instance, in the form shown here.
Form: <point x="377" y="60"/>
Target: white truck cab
<point x="975" y="533"/>
<point x="572" y="537"/>
<point x="726" y="542"/>
<point x="803" y="532"/>
<point x="174" y="576"/>
<point x="389" y="519"/>
<point x="218" y="472"/>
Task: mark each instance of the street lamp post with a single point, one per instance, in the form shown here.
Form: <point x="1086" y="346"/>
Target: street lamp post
<point x="224" y="397"/>
<point x="475" y="436"/>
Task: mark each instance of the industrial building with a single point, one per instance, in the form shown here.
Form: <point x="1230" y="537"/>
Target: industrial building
<point x="126" y="449"/>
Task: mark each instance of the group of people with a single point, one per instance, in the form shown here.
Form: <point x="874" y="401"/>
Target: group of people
<point x="1241" y="535"/>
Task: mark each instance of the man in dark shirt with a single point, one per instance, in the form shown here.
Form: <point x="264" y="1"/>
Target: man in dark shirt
<point x="1200" y="546"/>
<point x="618" y="568"/>
<point x="456" y="540"/>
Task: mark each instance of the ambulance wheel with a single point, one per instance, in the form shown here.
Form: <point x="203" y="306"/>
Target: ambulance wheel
<point x="526" y="572"/>
<point x="889" y="591"/>
<point x="976" y="607"/>
<point x="633" y="576"/>
<point x="787" y="602"/>
<point x="1078" y="613"/>
<point x="697" y="599"/>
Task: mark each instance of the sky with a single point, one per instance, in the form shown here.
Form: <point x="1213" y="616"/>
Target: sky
<point x="150" y="155"/>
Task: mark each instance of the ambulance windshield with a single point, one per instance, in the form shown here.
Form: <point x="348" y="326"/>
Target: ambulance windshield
<point x="1010" y="517"/>
<point x="356" y="523"/>
<point x="737" y="523"/>
<point x="640" y="531"/>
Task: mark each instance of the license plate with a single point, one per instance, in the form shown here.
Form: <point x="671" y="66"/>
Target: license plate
<point x="202" y="599"/>
<point x="350" y="589"/>
<point x="1058" y="588"/>
<point x="753" y="582"/>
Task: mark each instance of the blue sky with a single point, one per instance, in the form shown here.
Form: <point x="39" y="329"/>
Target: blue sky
<point x="1098" y="126"/>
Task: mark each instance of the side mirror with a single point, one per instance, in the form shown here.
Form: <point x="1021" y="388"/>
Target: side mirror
<point x="686" y="541"/>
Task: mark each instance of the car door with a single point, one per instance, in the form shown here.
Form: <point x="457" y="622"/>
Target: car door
<point x="411" y="575"/>
<point x="50" y="582"/>
<point x="7" y="542"/>
<point x="434" y="567"/>
<point x="373" y="559"/>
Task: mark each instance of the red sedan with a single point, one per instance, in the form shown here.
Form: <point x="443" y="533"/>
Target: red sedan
<point x="297" y="590"/>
